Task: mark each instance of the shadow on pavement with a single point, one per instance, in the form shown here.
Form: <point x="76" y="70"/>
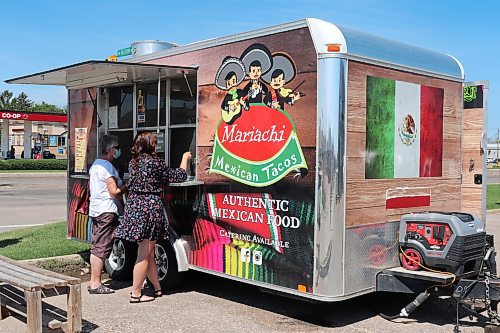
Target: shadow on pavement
<point x="438" y="311"/>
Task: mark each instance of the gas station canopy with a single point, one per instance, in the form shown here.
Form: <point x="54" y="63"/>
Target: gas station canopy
<point x="34" y="116"/>
<point x="96" y="73"/>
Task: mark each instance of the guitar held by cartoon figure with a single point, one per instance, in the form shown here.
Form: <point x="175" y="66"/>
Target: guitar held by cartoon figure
<point x="229" y="116"/>
<point x="233" y="112"/>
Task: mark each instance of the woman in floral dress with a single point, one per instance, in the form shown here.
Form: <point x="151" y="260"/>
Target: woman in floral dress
<point x="145" y="221"/>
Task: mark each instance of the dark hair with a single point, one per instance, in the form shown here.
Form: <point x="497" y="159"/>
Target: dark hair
<point x="106" y="142"/>
<point x="229" y="75"/>
<point x="255" y="63"/>
<point x="276" y="73"/>
<point x="144" y="144"/>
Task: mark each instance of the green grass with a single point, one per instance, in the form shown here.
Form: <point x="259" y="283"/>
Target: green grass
<point x="39" y="242"/>
<point x="493" y="196"/>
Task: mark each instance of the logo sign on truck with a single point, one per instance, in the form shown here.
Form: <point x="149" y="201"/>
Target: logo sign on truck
<point x="473" y="97"/>
<point x="256" y="141"/>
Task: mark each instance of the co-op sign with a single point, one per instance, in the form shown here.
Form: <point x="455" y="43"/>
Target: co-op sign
<point x="14" y="116"/>
<point x="56" y="118"/>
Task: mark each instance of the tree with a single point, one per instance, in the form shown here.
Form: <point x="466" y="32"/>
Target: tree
<point x="47" y="108"/>
<point x="22" y="102"/>
<point x="6" y="100"/>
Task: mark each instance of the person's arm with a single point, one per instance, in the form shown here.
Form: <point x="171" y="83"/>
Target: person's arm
<point x="185" y="160"/>
<point x="113" y="188"/>
<point x="178" y="175"/>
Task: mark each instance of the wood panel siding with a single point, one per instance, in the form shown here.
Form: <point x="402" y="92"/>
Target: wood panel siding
<point x="366" y="198"/>
<point x="472" y="160"/>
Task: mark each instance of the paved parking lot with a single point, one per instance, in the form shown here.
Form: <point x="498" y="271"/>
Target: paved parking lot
<point x="31" y="199"/>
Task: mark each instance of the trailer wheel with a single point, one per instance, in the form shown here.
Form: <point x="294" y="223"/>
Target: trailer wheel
<point x="166" y="263"/>
<point x="376" y="251"/>
<point x="412" y="260"/>
<point x="120" y="263"/>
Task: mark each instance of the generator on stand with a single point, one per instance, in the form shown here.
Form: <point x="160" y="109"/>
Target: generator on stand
<point x="445" y="254"/>
<point x="450" y="242"/>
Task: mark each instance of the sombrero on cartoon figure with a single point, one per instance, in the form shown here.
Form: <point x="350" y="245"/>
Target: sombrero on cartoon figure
<point x="283" y="62"/>
<point x="257" y="60"/>
<point x="233" y="66"/>
<point x="228" y="77"/>
<point x="281" y="73"/>
<point x="257" y="55"/>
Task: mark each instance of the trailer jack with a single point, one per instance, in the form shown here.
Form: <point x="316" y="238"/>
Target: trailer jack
<point x="480" y="288"/>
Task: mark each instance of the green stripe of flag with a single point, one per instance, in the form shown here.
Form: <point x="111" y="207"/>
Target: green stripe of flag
<point x="380" y="109"/>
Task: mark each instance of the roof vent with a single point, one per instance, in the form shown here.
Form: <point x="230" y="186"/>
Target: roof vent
<point x="149" y="46"/>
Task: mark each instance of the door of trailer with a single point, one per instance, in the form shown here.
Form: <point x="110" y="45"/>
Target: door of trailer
<point x="474" y="148"/>
<point x="121" y="99"/>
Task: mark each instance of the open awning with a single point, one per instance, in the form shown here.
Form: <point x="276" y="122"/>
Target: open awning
<point x="98" y="73"/>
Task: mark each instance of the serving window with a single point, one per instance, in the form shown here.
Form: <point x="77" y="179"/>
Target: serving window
<point x="123" y="115"/>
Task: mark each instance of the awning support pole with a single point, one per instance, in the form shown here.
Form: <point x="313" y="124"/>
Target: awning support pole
<point x="159" y="96"/>
<point x="187" y="82"/>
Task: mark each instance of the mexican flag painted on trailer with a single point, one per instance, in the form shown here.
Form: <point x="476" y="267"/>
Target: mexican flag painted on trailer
<point x="404" y="129"/>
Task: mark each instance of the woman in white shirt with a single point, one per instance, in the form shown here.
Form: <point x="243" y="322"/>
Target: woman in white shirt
<point x="106" y="204"/>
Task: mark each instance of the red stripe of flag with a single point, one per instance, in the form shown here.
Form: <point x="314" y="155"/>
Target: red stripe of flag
<point x="408" y="202"/>
<point x="431" y="131"/>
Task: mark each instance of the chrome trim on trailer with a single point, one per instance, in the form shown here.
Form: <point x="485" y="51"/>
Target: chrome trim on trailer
<point x="283" y="289"/>
<point x="354" y="44"/>
<point x="205" y="44"/>
<point x="367" y="47"/>
<point x="181" y="249"/>
<point x="330" y="183"/>
<point x="388" y="65"/>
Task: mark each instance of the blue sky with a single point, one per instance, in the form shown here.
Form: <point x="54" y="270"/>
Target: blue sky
<point x="40" y="35"/>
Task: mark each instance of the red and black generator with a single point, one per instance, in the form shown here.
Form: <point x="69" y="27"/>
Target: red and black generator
<point x="452" y="242"/>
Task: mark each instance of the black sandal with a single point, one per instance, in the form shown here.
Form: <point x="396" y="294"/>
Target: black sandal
<point x="157" y="293"/>
<point x="100" y="290"/>
<point x="138" y="299"/>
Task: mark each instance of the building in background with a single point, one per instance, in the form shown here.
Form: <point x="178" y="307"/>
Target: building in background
<point x="35" y="132"/>
<point x="493" y="153"/>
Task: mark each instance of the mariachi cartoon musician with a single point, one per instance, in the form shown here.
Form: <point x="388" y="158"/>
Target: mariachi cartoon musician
<point x="230" y="74"/>
<point x="282" y="72"/>
<point x="258" y="61"/>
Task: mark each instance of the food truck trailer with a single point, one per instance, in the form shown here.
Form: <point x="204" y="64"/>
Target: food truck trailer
<point x="310" y="142"/>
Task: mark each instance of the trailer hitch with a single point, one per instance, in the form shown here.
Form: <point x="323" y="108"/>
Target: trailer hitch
<point x="412" y="306"/>
<point x="485" y="288"/>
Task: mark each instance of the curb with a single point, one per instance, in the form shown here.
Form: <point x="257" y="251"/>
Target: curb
<point x="84" y="256"/>
<point x="57" y="173"/>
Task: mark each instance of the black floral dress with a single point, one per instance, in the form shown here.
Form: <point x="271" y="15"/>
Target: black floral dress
<point x="144" y="213"/>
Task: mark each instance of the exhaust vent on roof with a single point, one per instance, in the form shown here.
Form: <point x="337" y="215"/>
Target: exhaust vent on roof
<point x="149" y="46"/>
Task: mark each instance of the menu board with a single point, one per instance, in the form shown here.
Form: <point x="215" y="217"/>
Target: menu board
<point x="80" y="149"/>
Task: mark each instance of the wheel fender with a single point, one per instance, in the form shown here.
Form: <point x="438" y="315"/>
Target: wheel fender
<point x="181" y="249"/>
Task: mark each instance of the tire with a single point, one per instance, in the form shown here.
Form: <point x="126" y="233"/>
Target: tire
<point x="377" y="252"/>
<point x="120" y="263"/>
<point x="168" y="273"/>
<point x="412" y="260"/>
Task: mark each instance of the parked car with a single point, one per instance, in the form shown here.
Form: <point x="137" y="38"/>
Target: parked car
<point x="48" y="155"/>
